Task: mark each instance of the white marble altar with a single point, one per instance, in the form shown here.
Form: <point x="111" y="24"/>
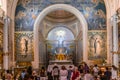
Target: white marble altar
<point x="61" y="62"/>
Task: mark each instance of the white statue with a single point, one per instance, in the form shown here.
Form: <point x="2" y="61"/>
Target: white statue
<point x="24" y="45"/>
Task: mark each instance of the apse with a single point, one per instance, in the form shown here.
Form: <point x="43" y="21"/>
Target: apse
<point x="60" y="29"/>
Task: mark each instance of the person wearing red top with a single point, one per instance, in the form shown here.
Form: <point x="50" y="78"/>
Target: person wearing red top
<point x="75" y="74"/>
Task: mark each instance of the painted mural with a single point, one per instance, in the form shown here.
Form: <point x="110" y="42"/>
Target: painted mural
<point x="24" y="46"/>
<point x="97" y="45"/>
<point x="27" y="11"/>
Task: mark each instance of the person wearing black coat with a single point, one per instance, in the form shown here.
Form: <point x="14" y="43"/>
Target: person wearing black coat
<point x="108" y="74"/>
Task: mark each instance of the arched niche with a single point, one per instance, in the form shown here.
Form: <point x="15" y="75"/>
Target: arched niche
<point x="49" y="9"/>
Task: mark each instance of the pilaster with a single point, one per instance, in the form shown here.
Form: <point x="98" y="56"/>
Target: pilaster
<point x="5" y="42"/>
<point x="115" y="41"/>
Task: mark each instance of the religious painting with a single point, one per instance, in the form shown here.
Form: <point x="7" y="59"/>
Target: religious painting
<point x="97" y="45"/>
<point x="24" y="46"/>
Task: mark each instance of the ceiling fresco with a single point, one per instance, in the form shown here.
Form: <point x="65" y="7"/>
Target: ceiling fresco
<point x="60" y="14"/>
<point x="27" y="10"/>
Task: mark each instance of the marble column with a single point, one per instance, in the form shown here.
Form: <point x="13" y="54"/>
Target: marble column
<point x="115" y="42"/>
<point x="5" y="43"/>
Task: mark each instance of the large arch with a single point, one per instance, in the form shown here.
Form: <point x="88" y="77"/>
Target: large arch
<point x="49" y="9"/>
<point x="11" y="14"/>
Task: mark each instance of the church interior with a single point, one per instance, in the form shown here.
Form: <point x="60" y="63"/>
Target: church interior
<point x="40" y="33"/>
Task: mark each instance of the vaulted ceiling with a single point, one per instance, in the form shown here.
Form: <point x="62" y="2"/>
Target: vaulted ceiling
<point x="60" y="16"/>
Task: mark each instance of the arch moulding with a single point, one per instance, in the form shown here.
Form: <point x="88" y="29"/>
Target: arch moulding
<point x="49" y="9"/>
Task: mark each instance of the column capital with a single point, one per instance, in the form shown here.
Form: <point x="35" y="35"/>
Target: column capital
<point x="6" y="18"/>
<point x="114" y="19"/>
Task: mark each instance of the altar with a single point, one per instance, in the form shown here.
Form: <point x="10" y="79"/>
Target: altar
<point x="60" y="58"/>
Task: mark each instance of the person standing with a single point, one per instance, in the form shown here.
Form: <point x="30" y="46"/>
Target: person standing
<point x="75" y="74"/>
<point x="81" y="70"/>
<point x="42" y="74"/>
<point x="23" y="74"/>
<point x="55" y="73"/>
<point x="69" y="72"/>
<point x="34" y="75"/>
<point x="8" y="75"/>
<point x="88" y="76"/>
<point x="107" y="74"/>
<point x="114" y="72"/>
<point x="49" y="73"/>
<point x="95" y="70"/>
<point x="63" y="73"/>
<point x="85" y="67"/>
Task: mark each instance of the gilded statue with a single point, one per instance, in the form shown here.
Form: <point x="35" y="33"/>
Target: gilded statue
<point x="60" y="55"/>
